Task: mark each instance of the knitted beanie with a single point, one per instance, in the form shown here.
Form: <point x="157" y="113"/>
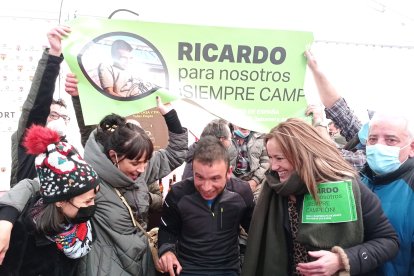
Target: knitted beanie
<point x="62" y="172"/>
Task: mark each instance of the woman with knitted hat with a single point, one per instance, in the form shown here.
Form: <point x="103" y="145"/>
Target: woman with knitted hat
<point x="54" y="230"/>
<point x="122" y="155"/>
<point x="314" y="216"/>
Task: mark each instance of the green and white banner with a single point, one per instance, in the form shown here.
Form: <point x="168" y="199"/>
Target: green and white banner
<point x="251" y="77"/>
<point x="337" y="204"/>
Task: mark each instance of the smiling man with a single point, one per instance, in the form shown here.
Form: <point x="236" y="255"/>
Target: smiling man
<point x="389" y="171"/>
<point x="201" y="216"/>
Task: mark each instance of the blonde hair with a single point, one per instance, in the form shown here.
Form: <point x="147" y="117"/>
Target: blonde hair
<point x="314" y="157"/>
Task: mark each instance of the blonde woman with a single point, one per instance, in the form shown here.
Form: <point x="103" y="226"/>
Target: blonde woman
<point x="282" y="241"/>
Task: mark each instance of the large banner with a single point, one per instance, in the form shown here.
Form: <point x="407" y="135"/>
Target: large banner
<point x="251" y="77"/>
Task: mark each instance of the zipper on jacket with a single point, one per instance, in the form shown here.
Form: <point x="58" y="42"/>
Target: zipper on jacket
<point x="221" y="218"/>
<point x="211" y="207"/>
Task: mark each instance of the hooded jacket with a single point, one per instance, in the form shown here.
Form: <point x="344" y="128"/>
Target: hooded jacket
<point x="120" y="248"/>
<point x="258" y="159"/>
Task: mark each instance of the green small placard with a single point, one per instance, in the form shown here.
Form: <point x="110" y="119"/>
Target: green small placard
<point x="337" y="204"/>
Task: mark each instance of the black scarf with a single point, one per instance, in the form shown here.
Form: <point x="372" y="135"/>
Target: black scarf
<point x="267" y="250"/>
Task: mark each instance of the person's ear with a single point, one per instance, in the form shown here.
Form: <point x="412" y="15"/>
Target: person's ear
<point x="229" y="172"/>
<point x="411" y="154"/>
<point x="112" y="156"/>
<point x="59" y="204"/>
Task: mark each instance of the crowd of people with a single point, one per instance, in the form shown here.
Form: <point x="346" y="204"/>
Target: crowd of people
<point x="248" y="203"/>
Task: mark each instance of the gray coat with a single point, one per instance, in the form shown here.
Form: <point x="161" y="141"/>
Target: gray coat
<point x="121" y="249"/>
<point x="258" y="159"/>
<point x="86" y="130"/>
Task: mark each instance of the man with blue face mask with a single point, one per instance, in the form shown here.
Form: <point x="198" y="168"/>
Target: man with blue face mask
<point x="389" y="171"/>
<point x="389" y="144"/>
<point x="384" y="159"/>
<point x="390" y="175"/>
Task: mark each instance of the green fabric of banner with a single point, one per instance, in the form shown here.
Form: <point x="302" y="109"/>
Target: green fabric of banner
<point x="251" y="77"/>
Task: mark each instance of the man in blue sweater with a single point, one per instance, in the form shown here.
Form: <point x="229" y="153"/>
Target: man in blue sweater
<point x="389" y="171"/>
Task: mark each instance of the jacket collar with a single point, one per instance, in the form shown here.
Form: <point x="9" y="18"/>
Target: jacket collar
<point x="103" y="166"/>
<point x="388" y="178"/>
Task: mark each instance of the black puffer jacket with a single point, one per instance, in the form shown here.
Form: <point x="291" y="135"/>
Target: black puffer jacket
<point x="32" y="254"/>
<point x="204" y="239"/>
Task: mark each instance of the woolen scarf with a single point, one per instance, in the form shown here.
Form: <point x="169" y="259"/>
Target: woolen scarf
<point x="267" y="247"/>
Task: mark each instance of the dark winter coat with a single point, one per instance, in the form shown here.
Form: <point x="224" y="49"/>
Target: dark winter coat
<point x="32" y="254"/>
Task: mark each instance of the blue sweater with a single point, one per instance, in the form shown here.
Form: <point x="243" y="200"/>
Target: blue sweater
<point x="396" y="193"/>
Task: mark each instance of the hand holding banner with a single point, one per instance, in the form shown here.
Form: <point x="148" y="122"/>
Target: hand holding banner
<point x="253" y="78"/>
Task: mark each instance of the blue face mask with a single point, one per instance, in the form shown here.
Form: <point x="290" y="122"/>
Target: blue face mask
<point x="237" y="132"/>
<point x="363" y="134"/>
<point x="383" y="159"/>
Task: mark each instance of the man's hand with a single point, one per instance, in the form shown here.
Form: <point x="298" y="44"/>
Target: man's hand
<point x="327" y="92"/>
<point x="163" y="108"/>
<point x="55" y="36"/>
<point x="316" y="112"/>
<point x="168" y="262"/>
<point x="327" y="264"/>
<point x="71" y="85"/>
<point x="313" y="65"/>
<point x="5" y="232"/>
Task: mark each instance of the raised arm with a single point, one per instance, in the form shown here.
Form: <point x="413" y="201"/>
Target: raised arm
<point x="36" y="107"/>
<point x="164" y="161"/>
<point x="336" y="107"/>
<point x="71" y="87"/>
<point x="327" y="91"/>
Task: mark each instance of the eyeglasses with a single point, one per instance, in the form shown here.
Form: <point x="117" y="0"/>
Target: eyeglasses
<point x="54" y="115"/>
